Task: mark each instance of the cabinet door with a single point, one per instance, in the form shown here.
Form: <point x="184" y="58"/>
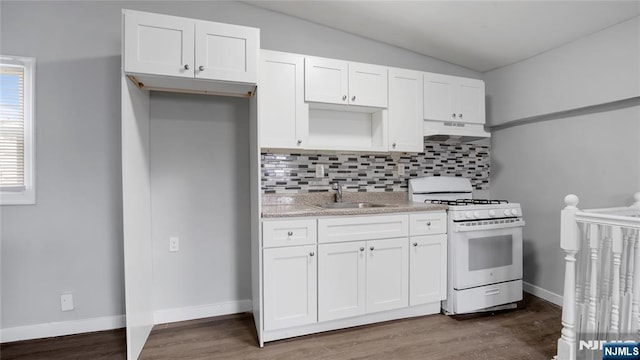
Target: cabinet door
<point x="284" y="117"/>
<point x="439" y="97"/>
<point x="158" y="44"/>
<point x="387" y="274"/>
<point x="428" y="269"/>
<point x="290" y="286"/>
<point x="226" y="52"/>
<point x="341" y="280"/>
<point x="325" y="80"/>
<point x="471" y="106"/>
<point x="368" y="85"/>
<point x="405" y="110"/>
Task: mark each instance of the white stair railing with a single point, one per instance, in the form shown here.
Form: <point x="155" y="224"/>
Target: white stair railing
<point x="602" y="278"/>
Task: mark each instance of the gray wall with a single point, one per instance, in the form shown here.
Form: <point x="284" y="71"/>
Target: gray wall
<point x="592" y="152"/>
<point x="71" y="240"/>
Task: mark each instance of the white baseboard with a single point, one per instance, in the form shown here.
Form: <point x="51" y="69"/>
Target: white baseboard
<point x="201" y="311"/>
<point x="542" y="293"/>
<point x="61" y="328"/>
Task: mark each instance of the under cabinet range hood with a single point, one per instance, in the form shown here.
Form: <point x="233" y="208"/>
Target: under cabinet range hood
<point x="453" y="131"/>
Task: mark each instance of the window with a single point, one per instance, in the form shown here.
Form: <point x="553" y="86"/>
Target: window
<point x="17" y="141"/>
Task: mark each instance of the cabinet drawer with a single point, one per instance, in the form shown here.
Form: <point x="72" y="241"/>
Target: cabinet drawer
<point x="288" y="232"/>
<point x="362" y="228"/>
<point x="428" y="223"/>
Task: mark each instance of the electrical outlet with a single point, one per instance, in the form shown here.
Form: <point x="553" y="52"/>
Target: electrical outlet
<point x="66" y="302"/>
<point x="400" y="169"/>
<point x="319" y="171"/>
<point x="174" y="244"/>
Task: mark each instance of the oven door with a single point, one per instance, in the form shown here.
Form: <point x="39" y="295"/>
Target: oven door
<point x="482" y="257"/>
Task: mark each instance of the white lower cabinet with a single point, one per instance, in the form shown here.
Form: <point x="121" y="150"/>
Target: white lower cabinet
<point x="387" y="274"/>
<point x="361" y="277"/>
<point x="428" y="269"/>
<point x="341" y="280"/>
<point x="290" y="286"/>
<point x="366" y="269"/>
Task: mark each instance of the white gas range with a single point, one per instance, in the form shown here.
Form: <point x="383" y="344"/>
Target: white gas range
<point x="484" y="245"/>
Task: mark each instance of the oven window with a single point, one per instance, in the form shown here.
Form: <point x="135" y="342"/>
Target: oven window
<point x="490" y="252"/>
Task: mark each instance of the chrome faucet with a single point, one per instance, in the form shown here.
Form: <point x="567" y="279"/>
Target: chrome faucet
<point x="338" y="188"/>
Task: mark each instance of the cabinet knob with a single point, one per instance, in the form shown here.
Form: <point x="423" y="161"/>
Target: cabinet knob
<point x="201" y="68"/>
<point x="344" y="97"/>
<point x="290" y="233"/>
<point x="362" y="248"/>
<point x="311" y="253"/>
<point x="428" y="223"/>
<point x="372" y="248"/>
<point x="460" y="116"/>
<point x="186" y="66"/>
<point x="353" y="98"/>
<point x="453" y="116"/>
<point x="299" y="141"/>
<point x="393" y="145"/>
<point x="415" y="244"/>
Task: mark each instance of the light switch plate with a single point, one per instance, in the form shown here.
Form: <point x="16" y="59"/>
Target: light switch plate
<point x="174" y="244"/>
<point x="400" y="169"/>
<point x="66" y="302"/>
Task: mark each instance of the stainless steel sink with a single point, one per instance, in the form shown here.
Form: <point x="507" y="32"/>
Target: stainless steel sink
<point x="351" y="205"/>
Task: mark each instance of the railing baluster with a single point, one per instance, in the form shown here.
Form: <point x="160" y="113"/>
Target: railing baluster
<point x="594" y="240"/>
<point x="616" y="235"/>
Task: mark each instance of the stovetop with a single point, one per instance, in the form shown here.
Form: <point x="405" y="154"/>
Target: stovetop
<point x="463" y="202"/>
<point x="474" y="209"/>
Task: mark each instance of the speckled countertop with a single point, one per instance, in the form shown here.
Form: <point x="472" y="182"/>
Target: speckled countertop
<point x="292" y="205"/>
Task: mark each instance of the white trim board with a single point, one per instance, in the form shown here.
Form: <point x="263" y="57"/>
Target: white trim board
<point x="542" y="293"/>
<point x="61" y="328"/>
<point x="201" y="311"/>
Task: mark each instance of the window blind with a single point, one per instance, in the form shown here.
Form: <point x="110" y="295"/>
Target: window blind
<point x="12" y="127"/>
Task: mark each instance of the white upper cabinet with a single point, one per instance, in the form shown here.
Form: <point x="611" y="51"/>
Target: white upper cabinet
<point x="284" y="117"/>
<point x="340" y="82"/>
<point x="326" y="81"/>
<point x="452" y="98"/>
<point x="158" y="44"/>
<point x="164" y="45"/>
<point x="367" y="85"/>
<point x="226" y="52"/>
<point x="405" y="110"/>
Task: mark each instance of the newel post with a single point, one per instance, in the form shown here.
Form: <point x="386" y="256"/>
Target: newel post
<point x="570" y="244"/>
<point x="636" y="198"/>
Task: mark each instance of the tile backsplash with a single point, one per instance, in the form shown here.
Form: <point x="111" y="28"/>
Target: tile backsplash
<point x="286" y="173"/>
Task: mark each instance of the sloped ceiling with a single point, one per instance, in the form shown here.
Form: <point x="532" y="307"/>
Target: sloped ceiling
<point x="480" y="35"/>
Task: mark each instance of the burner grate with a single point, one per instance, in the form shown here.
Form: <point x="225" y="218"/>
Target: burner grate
<point x="467" y="202"/>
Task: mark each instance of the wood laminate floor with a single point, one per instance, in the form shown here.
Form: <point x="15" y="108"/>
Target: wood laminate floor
<point x="531" y="332"/>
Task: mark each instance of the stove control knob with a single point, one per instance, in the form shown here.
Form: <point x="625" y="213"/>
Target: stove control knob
<point x="507" y="212"/>
<point x="476" y="214"/>
<point x="468" y="214"/>
<point x="514" y="212"/>
<point x="492" y="213"/>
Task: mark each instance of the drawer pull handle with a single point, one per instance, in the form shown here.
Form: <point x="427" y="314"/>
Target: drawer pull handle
<point x="372" y="248"/>
<point x="290" y="233"/>
<point x="415" y="244"/>
<point x="311" y="253"/>
<point x="362" y="248"/>
<point x="492" y="292"/>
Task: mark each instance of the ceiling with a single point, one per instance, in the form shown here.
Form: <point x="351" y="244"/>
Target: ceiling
<point x="480" y="35"/>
